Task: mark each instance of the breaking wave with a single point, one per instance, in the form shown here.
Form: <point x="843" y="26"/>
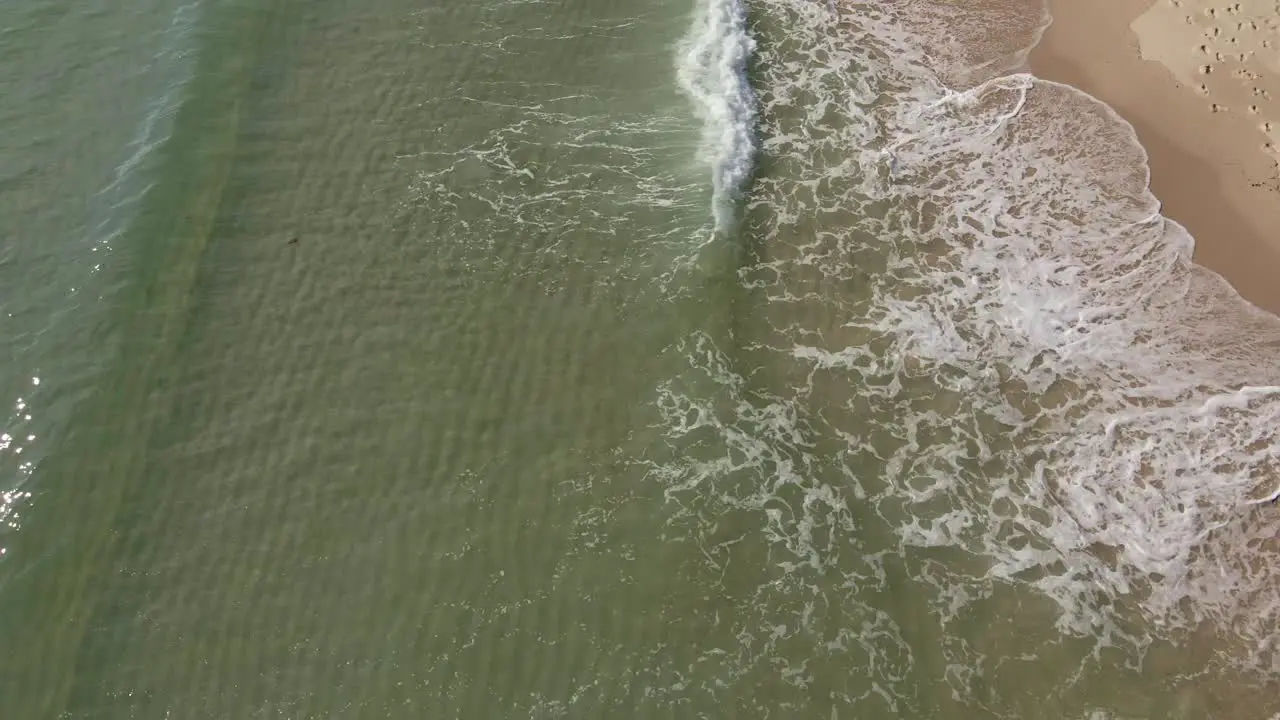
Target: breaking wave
<point x="712" y="71"/>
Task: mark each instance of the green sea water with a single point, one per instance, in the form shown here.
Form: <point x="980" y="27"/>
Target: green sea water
<point x="301" y="325"/>
<point x="392" y="359"/>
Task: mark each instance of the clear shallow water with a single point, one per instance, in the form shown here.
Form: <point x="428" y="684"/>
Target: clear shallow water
<point x="574" y="397"/>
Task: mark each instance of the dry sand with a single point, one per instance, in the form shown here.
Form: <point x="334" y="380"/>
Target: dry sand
<point x="1200" y="81"/>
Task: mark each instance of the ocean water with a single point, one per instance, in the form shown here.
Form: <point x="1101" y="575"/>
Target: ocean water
<point x="681" y="359"/>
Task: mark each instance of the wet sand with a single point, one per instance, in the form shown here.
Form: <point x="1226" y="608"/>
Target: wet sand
<point x="1200" y="82"/>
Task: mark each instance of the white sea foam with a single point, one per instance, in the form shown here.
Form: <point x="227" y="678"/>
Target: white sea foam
<point x="988" y="337"/>
<point x="712" y="71"/>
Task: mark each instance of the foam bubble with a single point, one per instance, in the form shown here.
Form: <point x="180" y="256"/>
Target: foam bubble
<point x="1060" y="277"/>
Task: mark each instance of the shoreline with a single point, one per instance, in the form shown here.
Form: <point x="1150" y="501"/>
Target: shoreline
<point x="1204" y="143"/>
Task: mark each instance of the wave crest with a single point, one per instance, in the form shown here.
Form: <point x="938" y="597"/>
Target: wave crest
<point x="712" y="71"/>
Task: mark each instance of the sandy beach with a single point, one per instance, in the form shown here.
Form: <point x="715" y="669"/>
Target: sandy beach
<point x="1200" y="82"/>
